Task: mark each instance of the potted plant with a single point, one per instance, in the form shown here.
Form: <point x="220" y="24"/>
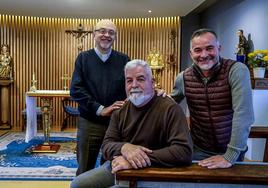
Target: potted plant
<point x="258" y="60"/>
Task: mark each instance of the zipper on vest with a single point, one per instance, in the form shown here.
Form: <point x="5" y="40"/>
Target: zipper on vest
<point x="210" y="119"/>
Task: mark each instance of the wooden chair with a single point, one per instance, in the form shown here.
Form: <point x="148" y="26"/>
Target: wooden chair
<point x="69" y="110"/>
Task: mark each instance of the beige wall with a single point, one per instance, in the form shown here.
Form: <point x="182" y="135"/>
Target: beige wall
<point x="41" y="46"/>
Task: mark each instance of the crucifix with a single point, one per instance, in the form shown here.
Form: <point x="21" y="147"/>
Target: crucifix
<point x="65" y="78"/>
<point x="79" y="34"/>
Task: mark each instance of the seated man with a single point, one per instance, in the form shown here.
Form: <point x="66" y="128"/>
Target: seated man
<point x="147" y="131"/>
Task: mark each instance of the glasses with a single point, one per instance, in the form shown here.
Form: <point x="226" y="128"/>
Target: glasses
<point x="104" y="31"/>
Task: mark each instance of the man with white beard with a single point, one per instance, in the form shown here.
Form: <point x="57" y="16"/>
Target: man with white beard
<point x="147" y="131"/>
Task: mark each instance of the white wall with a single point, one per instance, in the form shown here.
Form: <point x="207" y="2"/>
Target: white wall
<point x="260" y="105"/>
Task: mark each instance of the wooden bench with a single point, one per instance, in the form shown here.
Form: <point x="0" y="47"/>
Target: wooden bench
<point x="241" y="173"/>
<point x="244" y="173"/>
<point x="260" y="132"/>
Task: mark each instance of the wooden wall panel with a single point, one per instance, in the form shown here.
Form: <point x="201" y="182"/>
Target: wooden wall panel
<point x="41" y="46"/>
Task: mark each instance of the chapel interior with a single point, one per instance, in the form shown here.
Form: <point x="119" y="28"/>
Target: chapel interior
<point x="44" y="43"/>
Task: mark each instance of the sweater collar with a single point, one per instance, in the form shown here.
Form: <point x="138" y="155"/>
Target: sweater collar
<point x="146" y="106"/>
<point x="102" y="56"/>
<point x="213" y="71"/>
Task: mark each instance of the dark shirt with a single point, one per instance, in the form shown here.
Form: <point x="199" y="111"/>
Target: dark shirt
<point x="160" y="126"/>
<point x="96" y="83"/>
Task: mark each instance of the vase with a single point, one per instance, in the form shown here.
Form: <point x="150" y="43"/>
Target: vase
<point x="259" y="72"/>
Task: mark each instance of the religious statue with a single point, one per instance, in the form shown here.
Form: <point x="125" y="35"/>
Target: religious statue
<point x="242" y="47"/>
<point x="6" y="69"/>
<point x="155" y="60"/>
<point x="171" y="58"/>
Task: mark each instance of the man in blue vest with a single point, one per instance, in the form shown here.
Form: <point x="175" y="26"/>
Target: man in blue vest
<point x="219" y="98"/>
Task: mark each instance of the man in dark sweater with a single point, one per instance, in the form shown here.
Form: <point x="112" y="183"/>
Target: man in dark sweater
<point x="98" y="87"/>
<point x="147" y="131"/>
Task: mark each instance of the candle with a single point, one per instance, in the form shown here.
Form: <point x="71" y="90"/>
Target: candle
<point x="33" y="76"/>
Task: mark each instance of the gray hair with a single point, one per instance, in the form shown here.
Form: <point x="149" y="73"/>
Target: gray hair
<point x="203" y="31"/>
<point x="105" y="23"/>
<point x="138" y="62"/>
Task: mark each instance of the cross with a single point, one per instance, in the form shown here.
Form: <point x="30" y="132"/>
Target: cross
<point x="65" y="78"/>
<point x="79" y="34"/>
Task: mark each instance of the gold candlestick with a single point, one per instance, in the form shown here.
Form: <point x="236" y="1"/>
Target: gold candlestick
<point x="33" y="81"/>
<point x="65" y="78"/>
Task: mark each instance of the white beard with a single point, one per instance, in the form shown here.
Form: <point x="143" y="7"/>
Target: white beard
<point x="206" y="67"/>
<point x="137" y="99"/>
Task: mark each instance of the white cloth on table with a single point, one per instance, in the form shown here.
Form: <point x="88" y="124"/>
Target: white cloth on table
<point x="31" y="128"/>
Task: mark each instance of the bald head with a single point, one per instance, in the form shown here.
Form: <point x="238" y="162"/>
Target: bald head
<point x="107" y="24"/>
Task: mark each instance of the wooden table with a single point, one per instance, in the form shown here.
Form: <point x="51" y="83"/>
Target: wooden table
<point x="242" y="173"/>
<point x="238" y="174"/>
<point x="46" y="108"/>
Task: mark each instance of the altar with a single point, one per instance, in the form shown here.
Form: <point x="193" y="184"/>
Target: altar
<point x="46" y="108"/>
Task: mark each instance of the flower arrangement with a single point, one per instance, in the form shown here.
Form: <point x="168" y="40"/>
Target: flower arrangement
<point x="258" y="58"/>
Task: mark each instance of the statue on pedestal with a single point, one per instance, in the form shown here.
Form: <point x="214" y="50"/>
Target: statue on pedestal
<point x="156" y="62"/>
<point x="242" y="47"/>
<point x="6" y="69"/>
<point x="6" y="78"/>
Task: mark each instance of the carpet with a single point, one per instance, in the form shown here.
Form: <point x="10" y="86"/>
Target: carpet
<point x="18" y="163"/>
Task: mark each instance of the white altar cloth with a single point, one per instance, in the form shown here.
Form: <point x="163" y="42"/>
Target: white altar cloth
<point x="31" y="128"/>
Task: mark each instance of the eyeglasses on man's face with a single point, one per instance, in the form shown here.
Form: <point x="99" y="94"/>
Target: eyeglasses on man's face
<point x="104" y="31"/>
